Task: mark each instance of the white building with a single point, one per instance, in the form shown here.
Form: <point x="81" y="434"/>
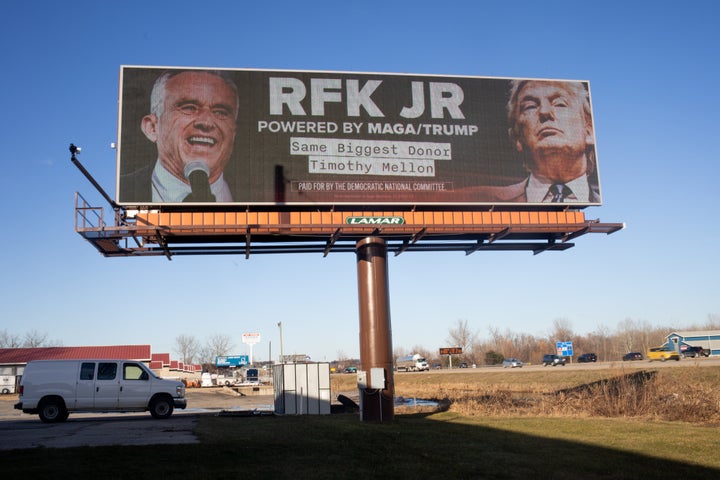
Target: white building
<point x="707" y="339"/>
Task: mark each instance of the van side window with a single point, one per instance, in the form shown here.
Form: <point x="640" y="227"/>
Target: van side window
<point x="107" y="371"/>
<point x="87" y="371"/>
<point x="131" y="371"/>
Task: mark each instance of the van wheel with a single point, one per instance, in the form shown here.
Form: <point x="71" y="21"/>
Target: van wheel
<point x="52" y="411"/>
<point x="161" y="407"/>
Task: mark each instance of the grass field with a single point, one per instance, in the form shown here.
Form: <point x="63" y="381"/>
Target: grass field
<point x="538" y="439"/>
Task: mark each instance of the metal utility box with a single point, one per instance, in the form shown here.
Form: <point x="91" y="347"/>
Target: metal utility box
<point x="302" y="388"/>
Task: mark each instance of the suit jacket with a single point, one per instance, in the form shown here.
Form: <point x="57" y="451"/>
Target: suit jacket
<point x="516" y="193"/>
<point x="136" y="186"/>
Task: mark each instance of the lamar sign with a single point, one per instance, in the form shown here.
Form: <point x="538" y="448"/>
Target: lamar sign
<point x="375" y="220"/>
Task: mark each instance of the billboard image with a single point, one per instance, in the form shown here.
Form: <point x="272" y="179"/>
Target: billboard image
<point x="269" y="137"/>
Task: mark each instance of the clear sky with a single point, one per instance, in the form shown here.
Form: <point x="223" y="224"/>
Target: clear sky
<point x="650" y="65"/>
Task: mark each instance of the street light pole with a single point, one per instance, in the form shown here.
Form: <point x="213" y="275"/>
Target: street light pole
<point x="281" y="349"/>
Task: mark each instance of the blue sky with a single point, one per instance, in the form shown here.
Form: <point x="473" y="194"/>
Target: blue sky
<point x="651" y="67"/>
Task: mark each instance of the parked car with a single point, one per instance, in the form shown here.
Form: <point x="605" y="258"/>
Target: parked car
<point x="694" y="352"/>
<point x="587" y="358"/>
<point x="512" y="363"/>
<point x="553" y="360"/>
<point x="662" y="354"/>
<point x="350" y="370"/>
<point x="463" y="365"/>
<point x="632" y="356"/>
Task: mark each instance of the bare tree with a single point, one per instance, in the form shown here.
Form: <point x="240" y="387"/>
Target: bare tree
<point x="34" y="339"/>
<point x="188" y="347"/>
<point x="713" y="322"/>
<point x="9" y="340"/>
<point x="206" y="355"/>
<point x="599" y="342"/>
<point x="461" y="336"/>
<point x="219" y="344"/>
<point x="399" y="352"/>
<point x="562" y="330"/>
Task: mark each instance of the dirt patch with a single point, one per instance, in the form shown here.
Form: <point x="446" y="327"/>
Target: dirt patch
<point x="224" y="398"/>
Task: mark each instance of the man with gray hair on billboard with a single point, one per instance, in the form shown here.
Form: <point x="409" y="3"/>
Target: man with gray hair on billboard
<point x="550" y="125"/>
<point x="192" y="120"/>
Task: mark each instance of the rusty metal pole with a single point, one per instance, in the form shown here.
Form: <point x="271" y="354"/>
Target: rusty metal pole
<point x="376" y="404"/>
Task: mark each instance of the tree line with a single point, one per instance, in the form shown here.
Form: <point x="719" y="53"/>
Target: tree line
<point x="31" y="339"/>
<point x="608" y="344"/>
<point x="192" y="351"/>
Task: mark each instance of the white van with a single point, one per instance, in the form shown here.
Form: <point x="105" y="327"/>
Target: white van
<point x="53" y="388"/>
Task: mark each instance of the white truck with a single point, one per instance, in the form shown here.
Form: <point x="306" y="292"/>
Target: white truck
<point x="412" y="363"/>
<point x="7" y="384"/>
<point x="54" y="388"/>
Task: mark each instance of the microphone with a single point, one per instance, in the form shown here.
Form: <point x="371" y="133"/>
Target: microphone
<point x="197" y="173"/>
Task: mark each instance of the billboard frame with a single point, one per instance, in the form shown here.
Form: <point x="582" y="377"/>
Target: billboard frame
<point x="179" y="233"/>
<point x="343" y="202"/>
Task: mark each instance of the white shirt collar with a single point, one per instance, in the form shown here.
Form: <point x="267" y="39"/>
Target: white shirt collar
<point x="537" y="189"/>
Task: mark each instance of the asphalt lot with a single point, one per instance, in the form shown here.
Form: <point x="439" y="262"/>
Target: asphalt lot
<point x="20" y="430"/>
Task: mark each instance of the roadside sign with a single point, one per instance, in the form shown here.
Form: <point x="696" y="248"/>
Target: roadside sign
<point x="564" y="349"/>
<point x="251" y="338"/>
<point x="451" y="351"/>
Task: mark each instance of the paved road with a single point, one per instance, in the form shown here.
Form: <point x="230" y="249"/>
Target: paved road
<point x="84" y="430"/>
<point x="20" y="430"/>
<point x="639" y="365"/>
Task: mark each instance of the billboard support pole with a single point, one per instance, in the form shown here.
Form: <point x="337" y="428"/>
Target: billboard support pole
<point x="377" y="395"/>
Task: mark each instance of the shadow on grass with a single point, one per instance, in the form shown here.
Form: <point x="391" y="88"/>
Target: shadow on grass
<point x="419" y="446"/>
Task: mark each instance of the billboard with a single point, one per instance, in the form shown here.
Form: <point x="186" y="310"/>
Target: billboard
<point x="270" y="137"/>
<point x="251" y="338"/>
<point x="231" y="360"/>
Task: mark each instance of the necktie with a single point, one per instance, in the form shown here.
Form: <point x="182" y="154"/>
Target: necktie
<point x="559" y="192"/>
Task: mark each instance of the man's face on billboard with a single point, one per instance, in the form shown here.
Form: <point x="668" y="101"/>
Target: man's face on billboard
<point x="551" y="127"/>
<point x="197" y="122"/>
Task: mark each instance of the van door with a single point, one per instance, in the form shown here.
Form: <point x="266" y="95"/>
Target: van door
<point x="107" y="386"/>
<point x="85" y="392"/>
<point x="136" y="386"/>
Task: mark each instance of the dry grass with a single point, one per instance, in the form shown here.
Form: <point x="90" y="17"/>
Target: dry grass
<point x="684" y="395"/>
<point x="646" y="394"/>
